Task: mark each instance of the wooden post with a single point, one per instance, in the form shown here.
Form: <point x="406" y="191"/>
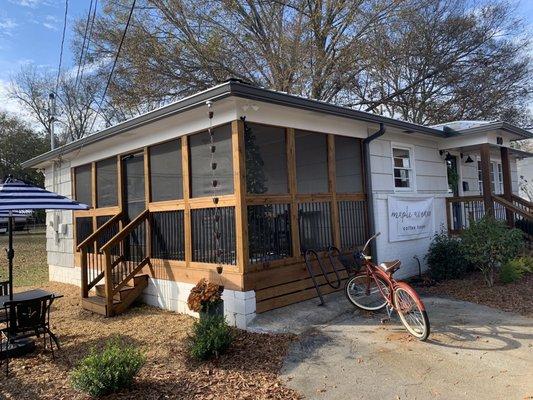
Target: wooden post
<point x="239" y="184"/>
<point x="507" y="185"/>
<point x="108" y="283"/>
<point x="186" y="195"/>
<point x="83" y="266"/>
<point x="485" y="173"/>
<point x="332" y="187"/>
<point x="293" y="188"/>
<point x="148" y="198"/>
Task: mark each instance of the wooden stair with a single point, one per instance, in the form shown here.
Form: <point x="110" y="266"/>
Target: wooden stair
<point x="121" y="300"/>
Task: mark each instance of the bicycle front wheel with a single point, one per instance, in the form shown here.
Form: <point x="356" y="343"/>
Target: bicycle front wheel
<point x="411" y="311"/>
<point x="363" y="292"/>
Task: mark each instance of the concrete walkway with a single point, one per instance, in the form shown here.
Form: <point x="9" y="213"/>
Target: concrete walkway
<point x="474" y="352"/>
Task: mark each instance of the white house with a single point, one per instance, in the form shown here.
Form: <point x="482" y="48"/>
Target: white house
<point x="291" y="174"/>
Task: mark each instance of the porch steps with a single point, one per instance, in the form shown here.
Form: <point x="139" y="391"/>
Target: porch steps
<point x="121" y="300"/>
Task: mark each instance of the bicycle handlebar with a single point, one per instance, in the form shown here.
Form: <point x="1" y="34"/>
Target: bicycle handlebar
<point x="369" y="240"/>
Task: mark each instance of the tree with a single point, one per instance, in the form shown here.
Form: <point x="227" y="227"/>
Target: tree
<point x="19" y="143"/>
<point x="75" y="102"/>
<point x="424" y="61"/>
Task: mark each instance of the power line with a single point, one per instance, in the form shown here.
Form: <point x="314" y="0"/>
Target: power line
<point x="114" y="63"/>
<point x="83" y="43"/>
<point x="62" y="45"/>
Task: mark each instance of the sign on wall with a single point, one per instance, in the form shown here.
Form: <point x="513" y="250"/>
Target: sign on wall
<point x="410" y="218"/>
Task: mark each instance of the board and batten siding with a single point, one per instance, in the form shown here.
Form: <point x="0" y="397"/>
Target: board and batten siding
<point x="430" y="180"/>
<point x="60" y="245"/>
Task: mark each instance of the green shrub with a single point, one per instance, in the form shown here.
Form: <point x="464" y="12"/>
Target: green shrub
<point x="211" y="337"/>
<point x="488" y="244"/>
<point x="108" y="370"/>
<point x="445" y="258"/>
<point x="514" y="270"/>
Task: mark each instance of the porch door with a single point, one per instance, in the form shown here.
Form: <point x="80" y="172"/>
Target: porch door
<point x="453" y="184"/>
<point x="134" y="203"/>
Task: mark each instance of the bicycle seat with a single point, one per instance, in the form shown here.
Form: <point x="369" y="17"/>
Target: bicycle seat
<point x="390" y="266"/>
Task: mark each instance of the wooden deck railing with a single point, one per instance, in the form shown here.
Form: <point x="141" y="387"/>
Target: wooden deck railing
<point x="125" y="255"/>
<point x="91" y="260"/>
<point x="461" y="211"/>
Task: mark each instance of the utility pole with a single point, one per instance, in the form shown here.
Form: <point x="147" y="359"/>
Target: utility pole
<point x="52" y="108"/>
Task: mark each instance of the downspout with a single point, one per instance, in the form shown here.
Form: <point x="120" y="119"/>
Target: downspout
<point x="368" y="188"/>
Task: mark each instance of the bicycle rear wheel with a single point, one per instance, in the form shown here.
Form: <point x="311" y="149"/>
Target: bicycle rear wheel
<point x="363" y="292"/>
<point x="411" y="311"/>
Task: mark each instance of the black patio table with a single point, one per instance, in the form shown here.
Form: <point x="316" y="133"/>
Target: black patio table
<point x="27" y="345"/>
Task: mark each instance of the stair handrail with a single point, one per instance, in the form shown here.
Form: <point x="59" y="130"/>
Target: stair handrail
<point x="126" y="230"/>
<point x="510" y="206"/>
<point x="111" y="290"/>
<point x="523" y="202"/>
<point x="94" y="236"/>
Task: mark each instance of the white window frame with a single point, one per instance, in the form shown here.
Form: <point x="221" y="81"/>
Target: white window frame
<point x="412" y="172"/>
<point x="499" y="173"/>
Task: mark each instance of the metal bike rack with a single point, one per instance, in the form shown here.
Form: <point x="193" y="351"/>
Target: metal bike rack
<point x="309" y="254"/>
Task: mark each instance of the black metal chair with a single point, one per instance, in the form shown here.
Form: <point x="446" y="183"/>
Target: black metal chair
<point x="28" y="318"/>
<point x="4" y="291"/>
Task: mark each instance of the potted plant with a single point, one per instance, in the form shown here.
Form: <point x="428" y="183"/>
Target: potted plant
<point x="206" y="298"/>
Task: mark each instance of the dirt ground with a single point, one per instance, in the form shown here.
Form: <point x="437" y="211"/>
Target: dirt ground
<point x="514" y="297"/>
<point x="248" y="371"/>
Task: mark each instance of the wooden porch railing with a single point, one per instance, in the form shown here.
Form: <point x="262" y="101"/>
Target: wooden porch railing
<point x="124" y="256"/>
<point x="461" y="211"/>
<point x="523" y="204"/>
<point x="91" y="260"/>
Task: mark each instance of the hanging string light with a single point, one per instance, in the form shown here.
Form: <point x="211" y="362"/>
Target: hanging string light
<point x="215" y="188"/>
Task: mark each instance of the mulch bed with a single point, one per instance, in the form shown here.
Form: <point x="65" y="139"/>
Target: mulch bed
<point x="514" y="297"/>
<point x="248" y="371"/>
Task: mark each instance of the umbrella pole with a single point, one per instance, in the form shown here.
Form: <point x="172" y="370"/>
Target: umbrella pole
<point x="10" y="255"/>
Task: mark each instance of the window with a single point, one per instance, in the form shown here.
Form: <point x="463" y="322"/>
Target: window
<point x="349" y="178"/>
<point x="500" y="178"/>
<point x="479" y="177"/>
<point x="266" y="159"/>
<point x="492" y="177"/>
<point x="106" y="183"/>
<point x="200" y="160"/>
<point x="403" y="172"/>
<point x="166" y="175"/>
<point x="84" y="187"/>
<point x="311" y="162"/>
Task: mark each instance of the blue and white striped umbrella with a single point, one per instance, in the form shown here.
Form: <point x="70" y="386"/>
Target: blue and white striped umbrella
<point x="17" y="195"/>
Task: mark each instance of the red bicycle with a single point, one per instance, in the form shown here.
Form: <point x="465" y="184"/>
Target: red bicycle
<point x="373" y="288"/>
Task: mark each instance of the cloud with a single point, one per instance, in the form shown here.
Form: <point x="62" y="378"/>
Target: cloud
<point x="51" y="22"/>
<point x="6" y="26"/>
<point x="7" y="103"/>
<point x="29" y="3"/>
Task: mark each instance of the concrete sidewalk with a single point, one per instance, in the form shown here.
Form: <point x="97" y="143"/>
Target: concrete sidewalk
<point x="474" y="352"/>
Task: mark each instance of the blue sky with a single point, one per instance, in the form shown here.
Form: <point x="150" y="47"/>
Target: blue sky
<point x="30" y="32"/>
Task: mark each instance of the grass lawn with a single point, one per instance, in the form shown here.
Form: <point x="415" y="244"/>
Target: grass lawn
<point x="29" y="266"/>
<point x="248" y="371"/>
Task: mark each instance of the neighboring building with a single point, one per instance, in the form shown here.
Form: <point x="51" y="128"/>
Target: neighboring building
<point x="292" y="174"/>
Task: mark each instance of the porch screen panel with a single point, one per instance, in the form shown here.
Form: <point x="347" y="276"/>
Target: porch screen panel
<point x="311" y="162"/>
<point x="84" y="186"/>
<point x="165" y="171"/>
<point x="269" y="232"/>
<point x="84" y="229"/>
<point x="266" y="159"/>
<point x="348" y="166"/>
<point x="108" y="233"/>
<point x="314" y="223"/>
<point x="352" y="222"/>
<point x="200" y="160"/>
<point x="106" y="183"/>
<point x="168" y="236"/>
<point x="203" y="236"/>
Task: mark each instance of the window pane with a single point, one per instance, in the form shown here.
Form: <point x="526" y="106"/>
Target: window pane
<point x="203" y="231"/>
<point x="106" y="183"/>
<point x="311" y="162"/>
<point x="200" y="155"/>
<point x="165" y="171"/>
<point x="84" y="184"/>
<point x="348" y="165"/>
<point x="266" y="159"/>
<point x="269" y="232"/>
<point x="401" y="158"/>
<point x="314" y="222"/>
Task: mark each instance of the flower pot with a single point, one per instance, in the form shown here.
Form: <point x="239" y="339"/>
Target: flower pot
<point x="212" y="309"/>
